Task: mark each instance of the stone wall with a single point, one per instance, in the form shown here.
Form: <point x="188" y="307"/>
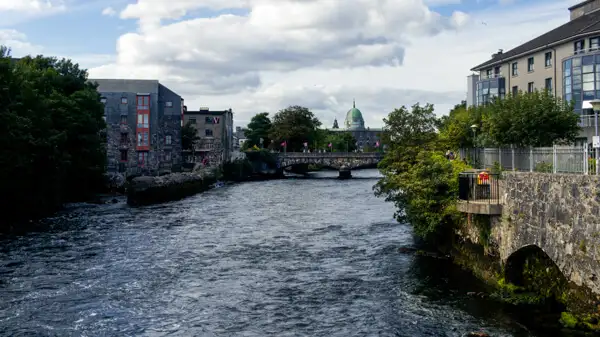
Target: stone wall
<point x="558" y="213"/>
<point x="332" y="162"/>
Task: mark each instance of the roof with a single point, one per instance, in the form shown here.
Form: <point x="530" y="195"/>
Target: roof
<point x="206" y="112"/>
<point x="583" y="25"/>
<point x="354" y="118"/>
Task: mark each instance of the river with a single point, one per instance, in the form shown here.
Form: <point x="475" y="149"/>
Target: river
<point x="295" y="257"/>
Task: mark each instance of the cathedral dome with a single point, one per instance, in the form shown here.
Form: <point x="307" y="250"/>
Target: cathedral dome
<point x="354" y="119"/>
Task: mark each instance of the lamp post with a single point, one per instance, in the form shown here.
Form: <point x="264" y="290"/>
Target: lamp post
<point x="596" y="142"/>
<point x="474" y="128"/>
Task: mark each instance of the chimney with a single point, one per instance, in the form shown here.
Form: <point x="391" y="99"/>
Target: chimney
<point x="499" y="52"/>
<point x="584" y="8"/>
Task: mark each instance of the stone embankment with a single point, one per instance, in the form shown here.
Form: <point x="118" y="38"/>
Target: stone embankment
<point x="148" y="190"/>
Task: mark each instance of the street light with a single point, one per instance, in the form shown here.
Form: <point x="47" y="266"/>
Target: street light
<point x="596" y="142"/>
<point x="474" y="128"/>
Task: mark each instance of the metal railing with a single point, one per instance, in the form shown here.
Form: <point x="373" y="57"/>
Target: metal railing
<point x="587" y="121"/>
<point x="556" y="159"/>
<point x="331" y="154"/>
<point x="480" y="187"/>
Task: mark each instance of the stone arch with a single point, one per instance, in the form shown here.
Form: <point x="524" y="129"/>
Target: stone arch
<point x="515" y="263"/>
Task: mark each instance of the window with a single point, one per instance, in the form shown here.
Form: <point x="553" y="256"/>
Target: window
<point x="488" y="73"/>
<point x="142" y="139"/>
<point x="167" y="156"/>
<point x="579" y="46"/>
<point x="530" y="64"/>
<point x="212" y="120"/>
<point x="496" y="71"/>
<point x="123" y="155"/>
<point x="192" y="121"/>
<point x="142" y="158"/>
<point x="143" y="121"/>
<point x="103" y="100"/>
<point x="548" y="59"/>
<point x="515" y="90"/>
<point x="515" y="69"/>
<point x="208" y="132"/>
<point x="168" y="104"/>
<point x="124" y="139"/>
<point x="123" y="100"/>
<point x="530" y="87"/>
<point x="549" y="84"/>
<point x="143" y="102"/>
<point x="168" y="140"/>
<point x="595" y="43"/>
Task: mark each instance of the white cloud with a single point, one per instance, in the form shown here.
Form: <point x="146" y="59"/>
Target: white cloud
<point x="318" y="53"/>
<point x="16" y="11"/>
<point x="109" y="11"/>
<point x="18" y="43"/>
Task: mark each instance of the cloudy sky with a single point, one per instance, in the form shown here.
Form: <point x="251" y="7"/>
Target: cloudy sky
<point x="263" y="55"/>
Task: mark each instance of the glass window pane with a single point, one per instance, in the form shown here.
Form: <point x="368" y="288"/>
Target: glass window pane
<point x="588" y="86"/>
<point x="598" y="59"/>
<point x="588" y="95"/>
<point x="567" y="64"/>
<point x="568" y="97"/>
<point x="576" y="62"/>
<point x="578" y="105"/>
<point x="576" y="70"/>
<point x="597" y="93"/>
<point x="588" y="78"/>
<point x="568" y="89"/>
<point x="588" y="68"/>
<point x="577" y="79"/>
<point x="576" y="86"/>
<point x="567" y="81"/>
<point x="140" y="120"/>
<point x="597" y="84"/>
<point x="587" y="60"/>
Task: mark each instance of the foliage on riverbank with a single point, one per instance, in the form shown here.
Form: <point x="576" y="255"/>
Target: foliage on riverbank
<point x="52" y="141"/>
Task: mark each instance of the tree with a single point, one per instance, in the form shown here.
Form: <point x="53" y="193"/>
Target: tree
<point x="52" y="140"/>
<point x="295" y="125"/>
<point x="189" y="137"/>
<point x="340" y="141"/>
<point x="417" y="177"/>
<point x="530" y="119"/>
<point x="259" y="127"/>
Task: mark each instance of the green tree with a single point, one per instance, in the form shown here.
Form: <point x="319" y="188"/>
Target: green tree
<point x="295" y="125"/>
<point x="189" y="136"/>
<point x="259" y="127"/>
<point x="420" y="181"/>
<point x="340" y="141"/>
<point x="530" y="119"/>
<point x="52" y="139"/>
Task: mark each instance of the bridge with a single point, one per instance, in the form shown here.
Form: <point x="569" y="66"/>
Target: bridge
<point x="344" y="162"/>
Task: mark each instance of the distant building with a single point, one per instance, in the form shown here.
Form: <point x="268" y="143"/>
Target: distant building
<point x="355" y="124"/>
<point x="238" y="137"/>
<point x="565" y="61"/>
<point x="144" y="126"/>
<point x="215" y="130"/>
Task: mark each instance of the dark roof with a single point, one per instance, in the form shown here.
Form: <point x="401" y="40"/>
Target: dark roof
<point x="581" y="4"/>
<point x="206" y="112"/>
<point x="586" y="24"/>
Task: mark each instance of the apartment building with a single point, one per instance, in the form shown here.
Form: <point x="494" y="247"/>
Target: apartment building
<point x="144" y="121"/>
<point x="215" y="130"/>
<point x="565" y="60"/>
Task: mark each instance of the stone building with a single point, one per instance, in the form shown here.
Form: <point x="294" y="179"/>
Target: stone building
<point x="144" y="121"/>
<point x="355" y="124"/>
<point x="215" y="130"/>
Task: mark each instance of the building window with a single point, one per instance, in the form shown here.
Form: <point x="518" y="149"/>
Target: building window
<point x="530" y="87"/>
<point x="168" y="104"/>
<point x="595" y="43"/>
<point x="143" y="102"/>
<point x="515" y="69"/>
<point x="515" y="90"/>
<point x="212" y="120"/>
<point x="168" y="140"/>
<point x="497" y="71"/>
<point x="167" y="156"/>
<point x="488" y="73"/>
<point x="530" y="64"/>
<point x="142" y="139"/>
<point x="549" y="84"/>
<point x="143" y="121"/>
<point x="124" y="139"/>
<point x="548" y="59"/>
<point x="103" y="100"/>
<point x="123" y="100"/>
<point x="192" y="121"/>
<point x="208" y="132"/>
<point x="123" y="155"/>
<point x="142" y="158"/>
<point x="579" y="46"/>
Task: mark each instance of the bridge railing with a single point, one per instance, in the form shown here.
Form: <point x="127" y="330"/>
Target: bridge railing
<point x="332" y="154"/>
<point x="479" y="187"/>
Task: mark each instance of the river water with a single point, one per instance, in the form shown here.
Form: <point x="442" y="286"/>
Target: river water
<point x="296" y="257"/>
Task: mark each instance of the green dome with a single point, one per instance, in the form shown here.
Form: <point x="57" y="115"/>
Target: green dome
<point x="354" y="119"/>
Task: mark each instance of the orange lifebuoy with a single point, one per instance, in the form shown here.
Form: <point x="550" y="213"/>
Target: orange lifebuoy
<point x="483" y="178"/>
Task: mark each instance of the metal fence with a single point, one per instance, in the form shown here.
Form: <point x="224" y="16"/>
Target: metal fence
<point x="556" y="159"/>
<point x="479" y="187"/>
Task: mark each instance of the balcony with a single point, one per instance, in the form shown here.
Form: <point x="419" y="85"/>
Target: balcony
<point x="124" y="128"/>
<point x="588" y="121"/>
<point x="479" y="193"/>
<point x="491" y="76"/>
